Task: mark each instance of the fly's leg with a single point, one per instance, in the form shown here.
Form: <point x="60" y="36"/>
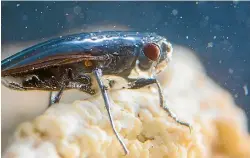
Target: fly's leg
<point x="144" y="82"/>
<point x="51" y="98"/>
<point x="165" y="107"/>
<point x="65" y="81"/>
<point x="57" y="97"/>
<point x="139" y="83"/>
<point x="85" y="84"/>
<point x="98" y="74"/>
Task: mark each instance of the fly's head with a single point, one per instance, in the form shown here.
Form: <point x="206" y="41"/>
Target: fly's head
<point x="154" y="57"/>
<point x="165" y="56"/>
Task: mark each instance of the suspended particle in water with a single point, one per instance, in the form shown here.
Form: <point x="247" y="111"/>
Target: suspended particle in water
<point x="230" y="70"/>
<point x="245" y="89"/>
<point x="207" y="18"/>
<point x="210" y="44"/>
<point x="217" y="27"/>
<point x="236" y="95"/>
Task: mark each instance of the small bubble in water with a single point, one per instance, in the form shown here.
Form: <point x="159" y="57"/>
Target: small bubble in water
<point x="174" y="12"/>
<point x="17" y="5"/>
<point x="77" y="10"/>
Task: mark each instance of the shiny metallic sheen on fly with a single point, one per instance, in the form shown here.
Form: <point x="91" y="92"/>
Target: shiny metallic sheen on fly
<point x="92" y="63"/>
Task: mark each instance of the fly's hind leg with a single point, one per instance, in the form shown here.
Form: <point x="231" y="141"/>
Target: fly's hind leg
<point x="98" y="74"/>
<point x="138" y="83"/>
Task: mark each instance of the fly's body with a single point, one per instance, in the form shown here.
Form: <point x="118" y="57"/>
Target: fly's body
<point x="78" y="61"/>
<point x="42" y="66"/>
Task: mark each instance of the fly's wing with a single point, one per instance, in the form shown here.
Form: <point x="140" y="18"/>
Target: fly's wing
<point x="53" y="61"/>
<point x="59" y="46"/>
<point x="55" y="52"/>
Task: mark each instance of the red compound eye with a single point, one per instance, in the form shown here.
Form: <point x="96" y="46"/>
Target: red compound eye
<point x="152" y="51"/>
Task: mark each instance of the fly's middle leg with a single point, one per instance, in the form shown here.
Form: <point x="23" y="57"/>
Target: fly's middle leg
<point x="65" y="81"/>
<point x="57" y="97"/>
<point x="142" y="82"/>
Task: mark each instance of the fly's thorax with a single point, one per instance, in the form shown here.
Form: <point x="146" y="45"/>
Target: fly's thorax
<point x="120" y="62"/>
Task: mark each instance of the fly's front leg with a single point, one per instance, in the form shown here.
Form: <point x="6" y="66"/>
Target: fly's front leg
<point x="139" y="83"/>
<point x="98" y="74"/>
<point x="144" y="82"/>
